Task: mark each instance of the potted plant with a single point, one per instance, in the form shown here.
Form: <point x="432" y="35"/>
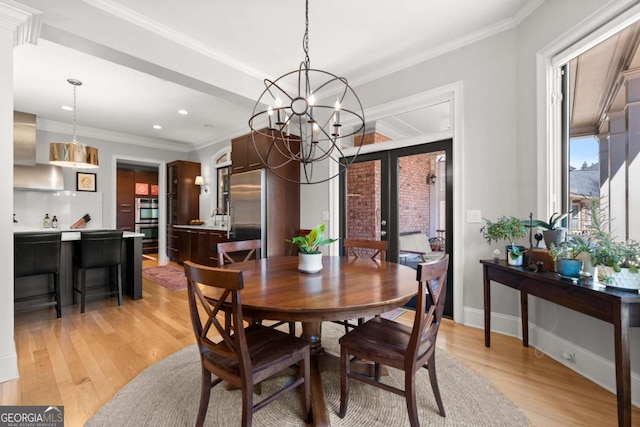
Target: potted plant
<point x="506" y="228"/>
<point x="565" y="256"/>
<point x="551" y="232"/>
<point x="310" y="257"/>
<point x="617" y="261"/>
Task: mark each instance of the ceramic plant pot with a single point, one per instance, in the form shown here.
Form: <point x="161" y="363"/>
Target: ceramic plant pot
<point x="553" y="236"/>
<point x="571" y="268"/>
<point x="624" y="279"/>
<point x="514" y="261"/>
<point x="309" y="263"/>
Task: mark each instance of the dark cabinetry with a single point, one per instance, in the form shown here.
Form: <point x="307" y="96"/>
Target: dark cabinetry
<point x="182" y="193"/>
<point x="193" y="244"/>
<point x="125" y="199"/>
<point x="282" y="196"/>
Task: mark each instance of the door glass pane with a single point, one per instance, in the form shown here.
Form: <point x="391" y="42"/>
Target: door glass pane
<point x="363" y="214"/>
<point x="421" y="206"/>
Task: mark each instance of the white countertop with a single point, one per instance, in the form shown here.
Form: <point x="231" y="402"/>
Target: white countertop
<point x="203" y="227"/>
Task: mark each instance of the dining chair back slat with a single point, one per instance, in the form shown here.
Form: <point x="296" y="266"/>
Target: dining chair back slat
<point x="252" y="247"/>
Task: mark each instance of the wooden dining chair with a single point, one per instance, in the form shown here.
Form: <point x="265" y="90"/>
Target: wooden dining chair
<point x="359" y="249"/>
<point x="252" y="248"/>
<point x="248" y="249"/>
<point x="243" y="357"/>
<point x="389" y="343"/>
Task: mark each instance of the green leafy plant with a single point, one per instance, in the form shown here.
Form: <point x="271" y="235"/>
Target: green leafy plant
<point x="310" y="243"/>
<point x="551" y="225"/>
<point x="505" y="228"/>
<point x="606" y="250"/>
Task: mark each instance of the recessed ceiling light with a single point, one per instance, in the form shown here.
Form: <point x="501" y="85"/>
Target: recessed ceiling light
<point x="183" y="112"/>
<point x="158" y="127"/>
<point x="67" y="108"/>
<point x="208" y="125"/>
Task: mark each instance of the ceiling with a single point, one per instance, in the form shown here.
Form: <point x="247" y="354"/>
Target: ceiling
<point x="596" y="81"/>
<point x="141" y="61"/>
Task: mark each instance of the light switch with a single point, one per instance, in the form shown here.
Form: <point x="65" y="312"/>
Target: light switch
<point x="474" y="216"/>
<point x="325" y="215"/>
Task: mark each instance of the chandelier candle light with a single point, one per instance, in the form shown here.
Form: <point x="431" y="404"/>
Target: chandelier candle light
<point x="305" y="129"/>
<point x="73" y="154"/>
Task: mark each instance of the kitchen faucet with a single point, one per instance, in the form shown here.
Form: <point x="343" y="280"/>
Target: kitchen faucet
<point x="213" y="215"/>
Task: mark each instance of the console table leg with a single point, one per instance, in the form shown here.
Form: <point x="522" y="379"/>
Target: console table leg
<point x="524" y="312"/>
<point x="623" y="366"/>
<point x="487" y="308"/>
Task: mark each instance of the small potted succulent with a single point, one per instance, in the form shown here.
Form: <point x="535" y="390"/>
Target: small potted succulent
<point x="565" y="256"/>
<point x="310" y="257"/>
<point x="506" y="228"/>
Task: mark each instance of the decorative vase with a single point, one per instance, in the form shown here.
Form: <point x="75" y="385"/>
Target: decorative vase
<point x="555" y="236"/>
<point x="587" y="263"/>
<point x="514" y="261"/>
<point x="624" y="279"/>
<point x="571" y="268"/>
<point x="310" y="263"/>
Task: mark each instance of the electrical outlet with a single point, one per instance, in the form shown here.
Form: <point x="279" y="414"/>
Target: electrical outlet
<point x="569" y="357"/>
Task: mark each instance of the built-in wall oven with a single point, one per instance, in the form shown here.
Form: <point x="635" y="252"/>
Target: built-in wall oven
<point x="146" y="210"/>
<point x="147" y="223"/>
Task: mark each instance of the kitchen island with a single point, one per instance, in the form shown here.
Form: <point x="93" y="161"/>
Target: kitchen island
<point x="131" y="270"/>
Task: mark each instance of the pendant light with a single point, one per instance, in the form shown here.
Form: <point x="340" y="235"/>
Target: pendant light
<point x="73" y="154"/>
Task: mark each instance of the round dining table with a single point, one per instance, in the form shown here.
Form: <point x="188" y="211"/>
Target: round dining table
<point x="346" y="288"/>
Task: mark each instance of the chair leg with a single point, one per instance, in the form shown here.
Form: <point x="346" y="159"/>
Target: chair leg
<point x="74" y="284"/>
<point x="410" y="396"/>
<point x="83" y="288"/>
<point x="119" y="278"/>
<point x="344" y="382"/>
<point x="247" y="406"/>
<point x="205" y="392"/>
<point x="305" y="371"/>
<point x="292" y="328"/>
<point x="56" y="288"/>
<point x="431" y="366"/>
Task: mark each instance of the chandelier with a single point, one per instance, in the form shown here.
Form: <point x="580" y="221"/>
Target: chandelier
<point x="309" y="115"/>
<point x="72" y="154"/>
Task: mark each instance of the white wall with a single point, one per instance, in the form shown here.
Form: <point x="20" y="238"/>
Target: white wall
<point x="8" y="357"/>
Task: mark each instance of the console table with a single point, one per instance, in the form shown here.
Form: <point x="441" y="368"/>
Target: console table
<point x="620" y="308"/>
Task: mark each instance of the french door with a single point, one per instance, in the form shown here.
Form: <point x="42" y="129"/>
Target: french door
<point x="401" y="192"/>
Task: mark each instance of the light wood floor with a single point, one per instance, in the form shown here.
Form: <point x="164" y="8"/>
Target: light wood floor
<point x="82" y="360"/>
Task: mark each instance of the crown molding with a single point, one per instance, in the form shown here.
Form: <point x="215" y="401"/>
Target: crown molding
<point x="24" y="21"/>
<point x="526" y="10"/>
<point x="161" y="30"/>
<point x="105" y="135"/>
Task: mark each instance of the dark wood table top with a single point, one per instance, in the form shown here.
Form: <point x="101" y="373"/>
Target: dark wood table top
<point x="345" y="288"/>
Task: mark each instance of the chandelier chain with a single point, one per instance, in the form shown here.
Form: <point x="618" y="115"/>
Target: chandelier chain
<point x="305" y="39"/>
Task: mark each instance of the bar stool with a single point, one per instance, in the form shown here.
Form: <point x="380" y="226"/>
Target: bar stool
<point x="98" y="249"/>
<point x="35" y="254"/>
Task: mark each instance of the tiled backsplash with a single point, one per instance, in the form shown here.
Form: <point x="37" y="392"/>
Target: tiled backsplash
<point x="68" y="206"/>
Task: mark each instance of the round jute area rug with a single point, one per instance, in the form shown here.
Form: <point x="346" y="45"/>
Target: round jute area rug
<point x="168" y="393"/>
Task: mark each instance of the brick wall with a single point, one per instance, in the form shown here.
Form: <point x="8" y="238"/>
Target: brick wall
<point x="414" y="192"/>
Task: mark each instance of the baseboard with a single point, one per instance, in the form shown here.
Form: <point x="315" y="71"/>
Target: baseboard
<point x="8" y="367"/>
<point x="591" y="366"/>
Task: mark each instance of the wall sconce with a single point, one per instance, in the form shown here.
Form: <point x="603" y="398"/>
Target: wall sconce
<point x="200" y="181"/>
<point x="431" y="178"/>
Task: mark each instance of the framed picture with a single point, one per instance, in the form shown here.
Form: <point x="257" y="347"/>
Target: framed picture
<point x="85" y="181"/>
<point x="154" y="190"/>
<point x="142" y="189"/>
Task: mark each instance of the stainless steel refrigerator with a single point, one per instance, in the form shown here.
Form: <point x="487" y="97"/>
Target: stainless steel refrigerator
<point x="248" y="206"/>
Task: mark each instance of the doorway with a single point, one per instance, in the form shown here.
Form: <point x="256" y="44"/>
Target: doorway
<point x="401" y="195"/>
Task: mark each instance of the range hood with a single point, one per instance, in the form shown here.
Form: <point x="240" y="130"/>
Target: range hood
<point x="27" y="174"/>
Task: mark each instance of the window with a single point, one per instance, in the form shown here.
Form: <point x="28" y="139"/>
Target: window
<point x="222" y="168"/>
<point x="602" y="142"/>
